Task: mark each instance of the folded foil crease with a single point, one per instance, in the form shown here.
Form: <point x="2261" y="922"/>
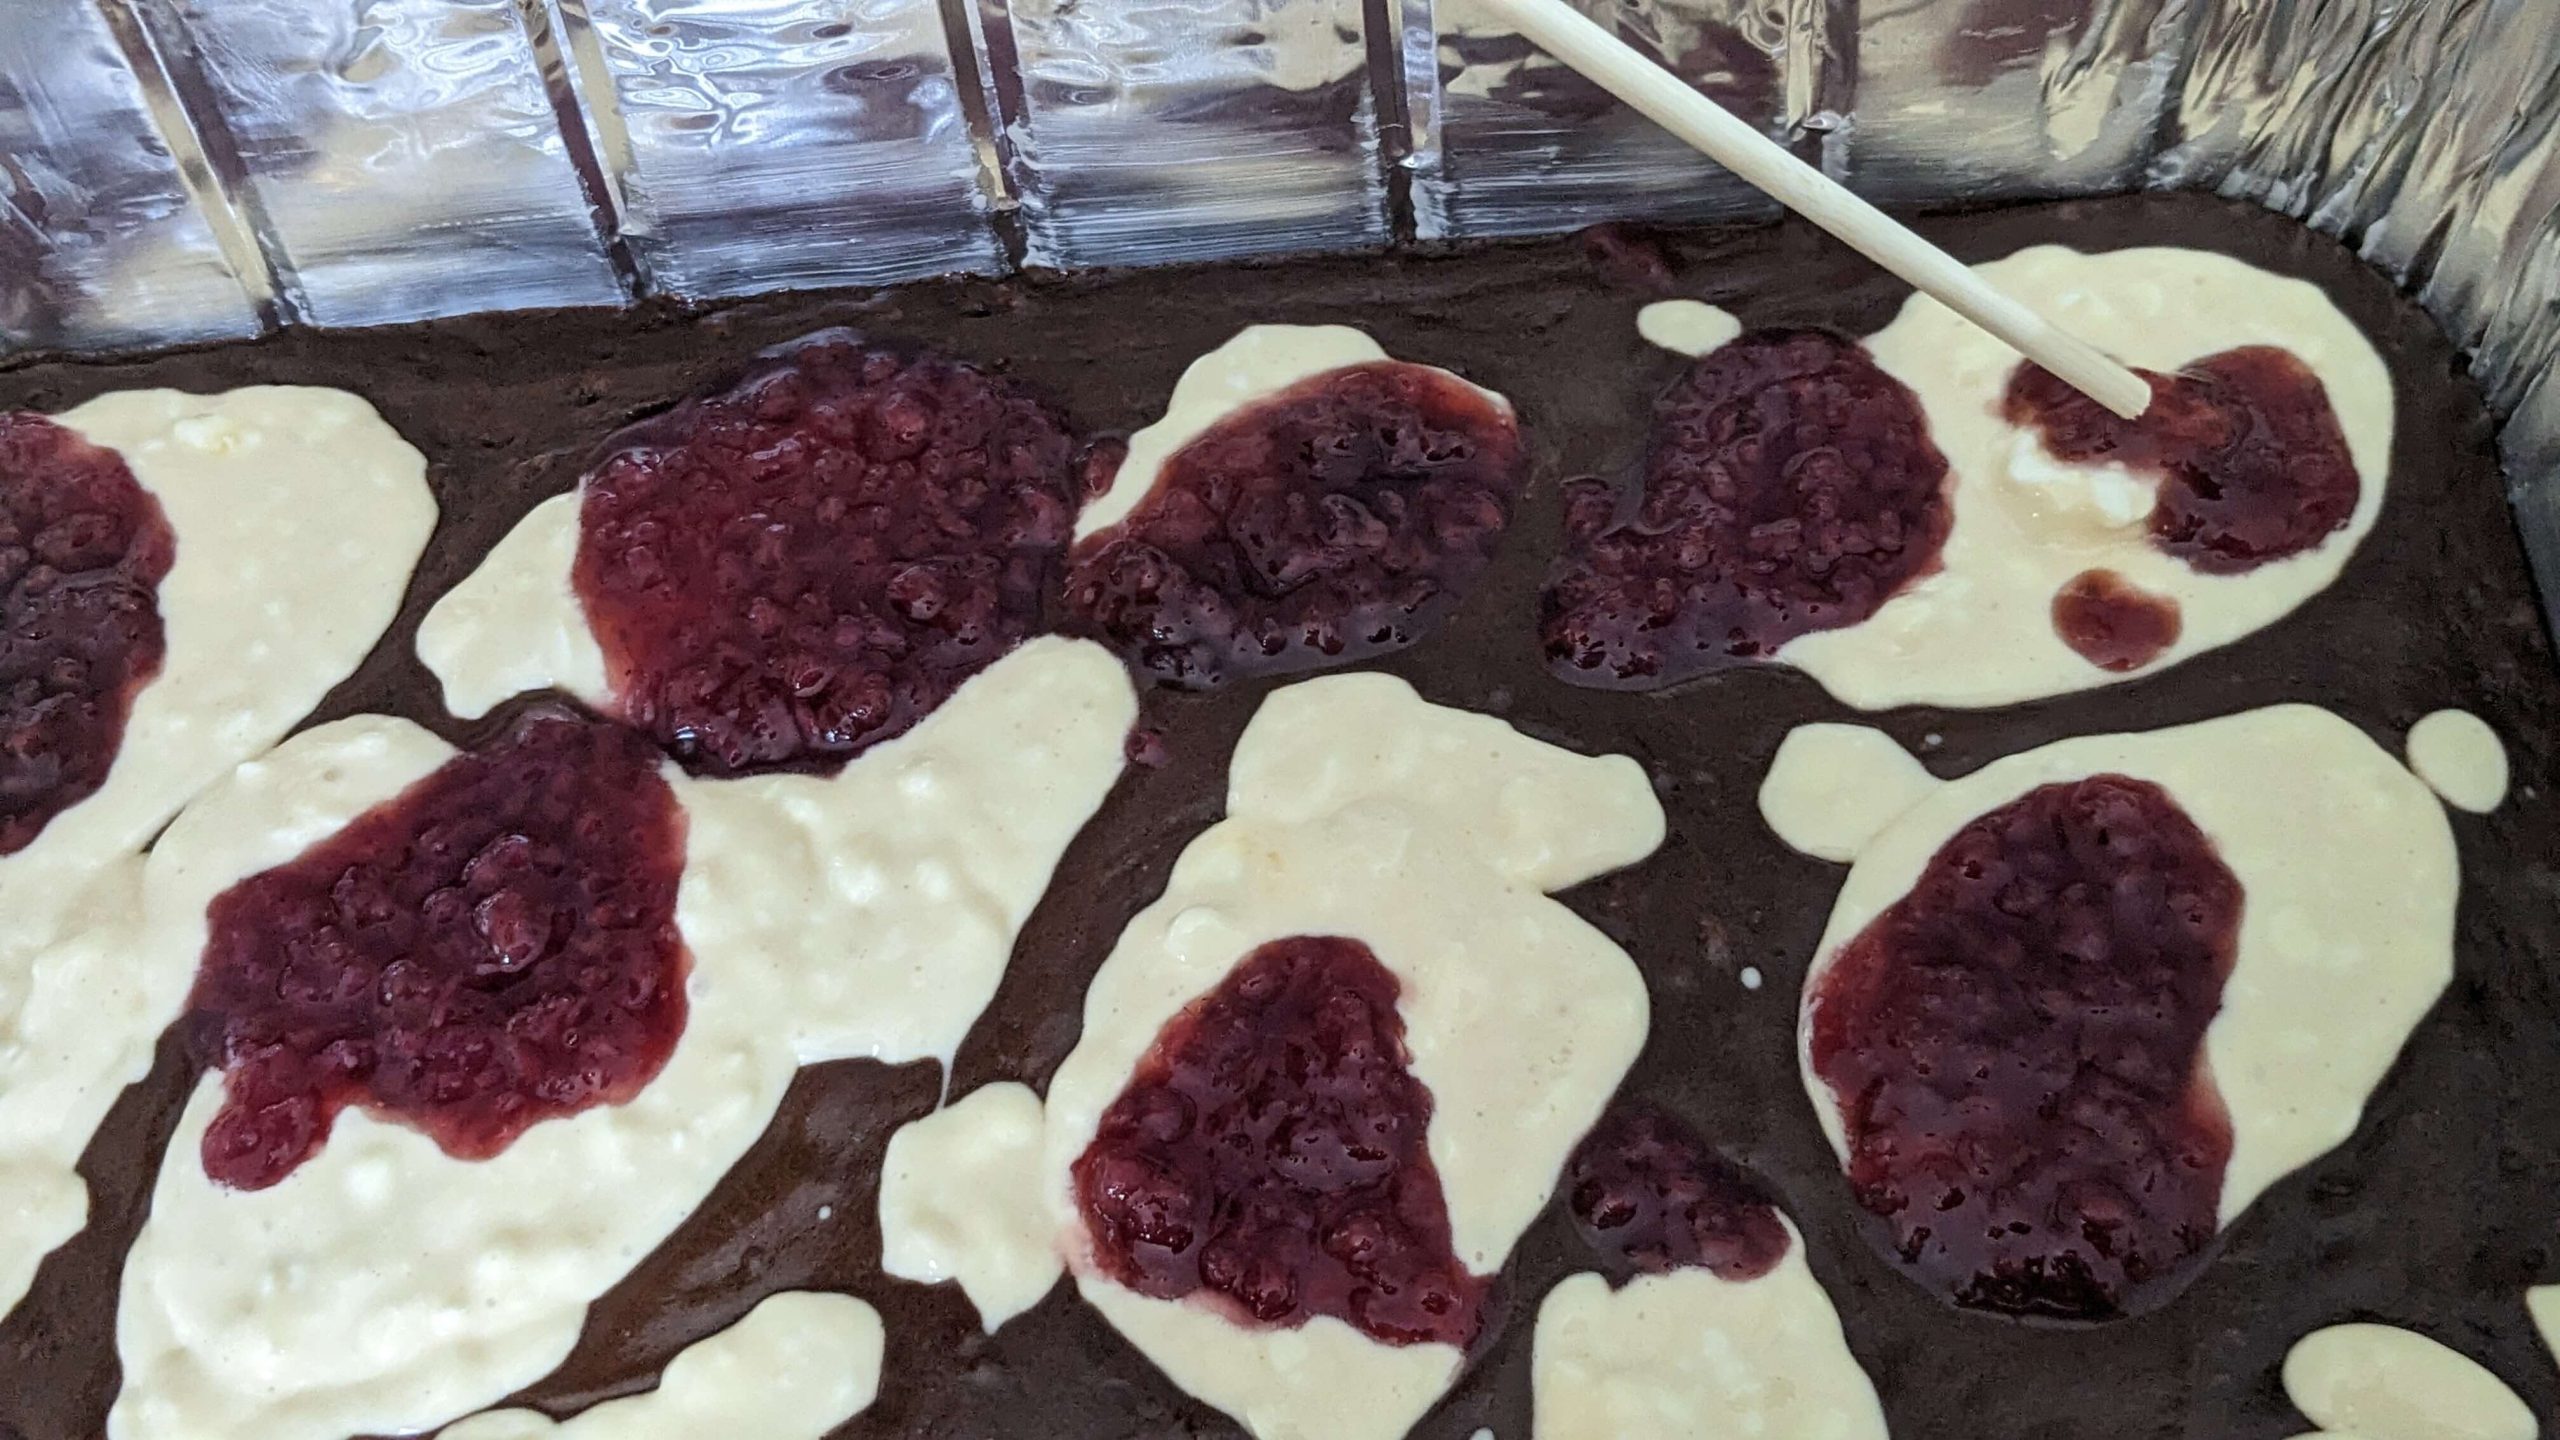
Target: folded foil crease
<point x="101" y="241"/>
<point x="403" y="156"/>
<point x="212" y="167"/>
<point x="1148" y="131"/>
<point x="771" y="145"/>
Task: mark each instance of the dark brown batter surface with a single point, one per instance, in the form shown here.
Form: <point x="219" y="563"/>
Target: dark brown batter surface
<point x="2437" y="1215"/>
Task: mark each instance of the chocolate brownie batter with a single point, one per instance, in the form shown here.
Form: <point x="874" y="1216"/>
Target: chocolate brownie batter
<point x="2437" y="1215"/>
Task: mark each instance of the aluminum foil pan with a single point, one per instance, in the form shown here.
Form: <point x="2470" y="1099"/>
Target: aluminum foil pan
<point x="179" y="170"/>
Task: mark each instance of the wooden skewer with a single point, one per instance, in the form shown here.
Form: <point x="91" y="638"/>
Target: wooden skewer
<point x="1730" y="142"/>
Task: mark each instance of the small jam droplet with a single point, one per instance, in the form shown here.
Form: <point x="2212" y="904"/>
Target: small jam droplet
<point x="2112" y="623"/>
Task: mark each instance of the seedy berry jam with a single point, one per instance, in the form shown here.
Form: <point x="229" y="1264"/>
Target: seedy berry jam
<point x="2251" y="462"/>
<point x="1340" y="519"/>
<point x="1791" y="486"/>
<point x="493" y="948"/>
<point x="83" y="548"/>
<point x="2017" y="1051"/>
<point x="1649" y="1197"/>
<point x="2113" y="624"/>
<point x="790" y="571"/>
<point x="1270" y="1152"/>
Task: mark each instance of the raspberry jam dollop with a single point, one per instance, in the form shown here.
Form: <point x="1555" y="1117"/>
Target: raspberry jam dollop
<point x="492" y="948"/>
<point x="2016" y="1048"/>
<point x="1341" y="518"/>
<point x="2113" y="623"/>
<point x="1790" y="486"/>
<point x="83" y="548"/>
<point x="2251" y="462"/>
<point x="790" y="571"/>
<point x="1269" y="1152"/>
<point x="1649" y="1197"/>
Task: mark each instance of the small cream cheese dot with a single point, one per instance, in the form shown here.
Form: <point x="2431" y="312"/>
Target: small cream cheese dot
<point x="1686" y="327"/>
<point x="2461" y="759"/>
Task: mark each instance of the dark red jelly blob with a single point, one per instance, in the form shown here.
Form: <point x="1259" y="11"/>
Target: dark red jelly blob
<point x="1791" y="486"/>
<point x="1649" y="1197"/>
<point x="1629" y="257"/>
<point x="1098" y="467"/>
<point x="2017" y="1049"/>
<point x="83" y="548"/>
<point x="1269" y="1152"/>
<point x="2111" y="622"/>
<point x="1146" y="746"/>
<point x="2252" y="464"/>
<point x="1339" y="519"/>
<point x="495" y="947"/>
<point x="799" y="567"/>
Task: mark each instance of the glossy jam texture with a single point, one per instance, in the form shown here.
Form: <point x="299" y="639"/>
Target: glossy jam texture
<point x="788" y="572"/>
<point x="1269" y="1153"/>
<point x="2112" y="623"/>
<point x="1339" y="519"/>
<point x="495" y="947"/>
<point x="1790" y="486"/>
<point x="2017" y="1050"/>
<point x="83" y="548"/>
<point x="2251" y="463"/>
<point x="1649" y="1197"/>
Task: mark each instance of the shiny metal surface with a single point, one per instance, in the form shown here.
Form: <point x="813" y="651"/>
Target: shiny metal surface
<point x="1143" y="131"/>
<point x="1984" y="99"/>
<point x="401" y="158"/>
<point x="1508" y="142"/>
<point x="178" y="169"/>
<point x="780" y="143"/>
<point x="101" y="242"/>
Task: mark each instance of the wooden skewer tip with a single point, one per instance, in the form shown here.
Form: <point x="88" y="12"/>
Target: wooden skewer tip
<point x="1738" y="146"/>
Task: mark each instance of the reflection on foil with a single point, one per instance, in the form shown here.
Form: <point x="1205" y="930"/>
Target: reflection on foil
<point x="403" y="155"/>
<point x="786" y="143"/>
<point x="99" y="241"/>
<point x="1981" y="99"/>
<point x="1511" y="142"/>
<point x="2000" y="37"/>
<point x="1490" y="62"/>
<point x="1144" y="131"/>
